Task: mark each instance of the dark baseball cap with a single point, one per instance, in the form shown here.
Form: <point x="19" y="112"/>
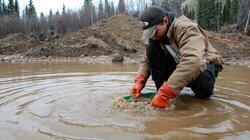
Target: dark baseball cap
<point x="150" y="18"/>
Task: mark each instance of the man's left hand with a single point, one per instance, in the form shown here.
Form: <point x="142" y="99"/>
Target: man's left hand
<point x="161" y="99"/>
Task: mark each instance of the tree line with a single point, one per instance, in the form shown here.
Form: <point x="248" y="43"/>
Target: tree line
<point x="210" y="14"/>
<point x="54" y="24"/>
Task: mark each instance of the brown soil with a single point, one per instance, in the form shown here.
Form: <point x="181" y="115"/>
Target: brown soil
<point x="119" y="35"/>
<point x="233" y="47"/>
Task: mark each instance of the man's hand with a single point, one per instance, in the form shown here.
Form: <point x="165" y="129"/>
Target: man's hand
<point x="163" y="95"/>
<point x="140" y="81"/>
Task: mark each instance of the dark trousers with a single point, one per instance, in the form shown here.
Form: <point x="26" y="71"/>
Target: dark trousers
<point x="162" y="66"/>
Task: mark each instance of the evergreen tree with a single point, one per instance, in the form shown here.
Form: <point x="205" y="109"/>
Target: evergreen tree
<point x="212" y="15"/>
<point x="63" y="10"/>
<point x="185" y="11"/>
<point x="23" y="15"/>
<point x="26" y="12"/>
<point x="94" y="15"/>
<point x="57" y="15"/>
<point x="32" y="11"/>
<point x="64" y="26"/>
<point x="218" y="11"/>
<point x="31" y="26"/>
<point x="42" y="23"/>
<point x="227" y="12"/>
<point x="100" y="11"/>
<point x="87" y="2"/>
<point x="146" y="6"/>
<point x="190" y="13"/>
<point x="1" y="8"/>
<point x="50" y="20"/>
<point x="4" y="8"/>
<point x="201" y="13"/>
<point x="57" y="21"/>
<point x="16" y="7"/>
<point x="50" y="15"/>
<point x="11" y="8"/>
<point x="121" y="6"/>
<point x="193" y="14"/>
<point x="207" y="14"/>
<point x="88" y="16"/>
<point x="42" y="17"/>
<point x="234" y="10"/>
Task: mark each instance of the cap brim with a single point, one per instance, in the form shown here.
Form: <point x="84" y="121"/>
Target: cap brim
<point x="149" y="33"/>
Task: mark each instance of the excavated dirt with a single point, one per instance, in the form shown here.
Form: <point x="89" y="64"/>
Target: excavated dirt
<point x="233" y="47"/>
<point x="117" y="37"/>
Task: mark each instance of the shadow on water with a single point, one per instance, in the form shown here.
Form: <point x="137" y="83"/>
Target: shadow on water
<point x="76" y="101"/>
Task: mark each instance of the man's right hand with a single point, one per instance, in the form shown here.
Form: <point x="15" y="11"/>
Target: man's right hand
<point x="140" y="81"/>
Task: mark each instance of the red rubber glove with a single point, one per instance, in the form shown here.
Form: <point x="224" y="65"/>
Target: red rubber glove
<point x="140" y="81"/>
<point x="161" y="99"/>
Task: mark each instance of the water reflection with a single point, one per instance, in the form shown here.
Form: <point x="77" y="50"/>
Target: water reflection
<point x="74" y="101"/>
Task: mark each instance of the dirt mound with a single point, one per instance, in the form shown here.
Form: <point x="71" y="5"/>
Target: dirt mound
<point x="233" y="47"/>
<point x="17" y="44"/>
<point x="118" y="35"/>
<point x="124" y="29"/>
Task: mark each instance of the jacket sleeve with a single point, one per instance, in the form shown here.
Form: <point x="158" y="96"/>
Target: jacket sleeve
<point x="192" y="49"/>
<point x="144" y="66"/>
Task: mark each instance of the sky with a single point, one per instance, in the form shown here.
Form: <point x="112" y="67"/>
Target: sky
<point x="45" y="5"/>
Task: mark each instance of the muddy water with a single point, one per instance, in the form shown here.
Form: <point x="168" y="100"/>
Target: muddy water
<point x="75" y="101"/>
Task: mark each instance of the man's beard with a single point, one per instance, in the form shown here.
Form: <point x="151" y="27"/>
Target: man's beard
<point x="159" y="38"/>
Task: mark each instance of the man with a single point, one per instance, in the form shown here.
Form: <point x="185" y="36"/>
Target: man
<point x="178" y="54"/>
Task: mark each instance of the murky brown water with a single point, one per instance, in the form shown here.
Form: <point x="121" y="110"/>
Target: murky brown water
<point x="74" y="101"/>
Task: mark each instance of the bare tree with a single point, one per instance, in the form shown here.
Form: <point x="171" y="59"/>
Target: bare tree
<point x="166" y="5"/>
<point x="112" y="8"/>
<point x="121" y="6"/>
<point x="64" y="20"/>
<point x="175" y="5"/>
<point x="87" y="13"/>
<point x="107" y="8"/>
<point x="100" y="10"/>
<point x="42" y="24"/>
<point x="130" y="5"/>
<point x="243" y="13"/>
<point x="247" y="27"/>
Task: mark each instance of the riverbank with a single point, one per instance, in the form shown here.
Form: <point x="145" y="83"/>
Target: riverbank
<point x="108" y="59"/>
<point x="98" y="60"/>
<point x="108" y="41"/>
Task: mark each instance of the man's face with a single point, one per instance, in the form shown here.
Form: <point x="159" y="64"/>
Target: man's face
<point x="161" y="30"/>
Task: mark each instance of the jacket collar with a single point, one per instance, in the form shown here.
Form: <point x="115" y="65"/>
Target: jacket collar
<point x="169" y="33"/>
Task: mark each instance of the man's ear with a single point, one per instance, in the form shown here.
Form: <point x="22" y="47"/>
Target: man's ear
<point x="165" y="19"/>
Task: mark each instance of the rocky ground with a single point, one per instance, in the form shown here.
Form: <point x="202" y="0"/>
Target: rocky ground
<point x="233" y="47"/>
<point x="115" y="39"/>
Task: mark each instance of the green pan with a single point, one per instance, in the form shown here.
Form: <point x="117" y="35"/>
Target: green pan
<point x="148" y="95"/>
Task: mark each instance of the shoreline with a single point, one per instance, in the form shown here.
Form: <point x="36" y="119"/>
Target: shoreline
<point x="103" y="59"/>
